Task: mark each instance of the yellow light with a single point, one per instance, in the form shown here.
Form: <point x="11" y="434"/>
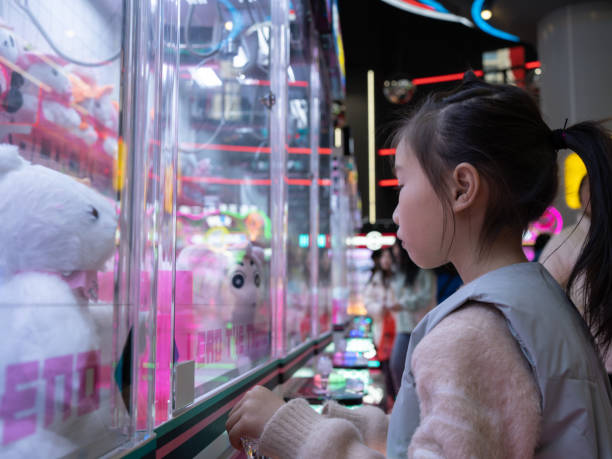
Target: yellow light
<point x="371" y="149"/>
<point x="229" y="25"/>
<point x="486" y="14"/>
<point x="575" y="170"/>
<point x="337" y="137"/>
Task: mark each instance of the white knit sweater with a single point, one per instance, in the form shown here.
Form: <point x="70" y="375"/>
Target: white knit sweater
<point x="477" y="397"/>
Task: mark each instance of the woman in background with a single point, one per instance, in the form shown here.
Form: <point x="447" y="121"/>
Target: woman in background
<point x="378" y="298"/>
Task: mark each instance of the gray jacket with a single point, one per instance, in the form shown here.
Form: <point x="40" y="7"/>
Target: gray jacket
<point x="576" y="398"/>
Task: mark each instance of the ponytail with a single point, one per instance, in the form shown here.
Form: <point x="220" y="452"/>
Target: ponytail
<point x="593" y="144"/>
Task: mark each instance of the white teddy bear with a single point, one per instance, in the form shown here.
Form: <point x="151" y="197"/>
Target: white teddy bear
<point x="54" y="234"/>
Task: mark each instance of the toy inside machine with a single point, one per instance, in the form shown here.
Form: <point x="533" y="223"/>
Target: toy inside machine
<point x="57" y="112"/>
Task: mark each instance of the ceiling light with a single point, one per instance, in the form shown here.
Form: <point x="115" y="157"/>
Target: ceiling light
<point x="205" y="76"/>
<point x="486" y="14"/>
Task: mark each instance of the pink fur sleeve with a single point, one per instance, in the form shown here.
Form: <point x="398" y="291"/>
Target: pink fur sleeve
<point x="477" y="395"/>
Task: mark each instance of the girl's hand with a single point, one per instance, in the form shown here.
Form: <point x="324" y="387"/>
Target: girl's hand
<point x="248" y="418"/>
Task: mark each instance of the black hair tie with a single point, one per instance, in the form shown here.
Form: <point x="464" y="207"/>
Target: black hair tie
<point x="558" y="140"/>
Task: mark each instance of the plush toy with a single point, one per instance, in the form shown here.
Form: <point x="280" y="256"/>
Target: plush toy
<point x="100" y="115"/>
<point x="227" y="292"/>
<point x="55" y="233"/>
<point x="55" y="97"/>
<point x="10" y="81"/>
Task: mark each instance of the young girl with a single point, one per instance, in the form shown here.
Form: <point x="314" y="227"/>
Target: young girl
<point x="505" y="367"/>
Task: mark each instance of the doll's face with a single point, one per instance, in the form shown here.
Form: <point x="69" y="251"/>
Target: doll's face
<point x="54" y="223"/>
<point x="52" y="76"/>
<point x="244" y="288"/>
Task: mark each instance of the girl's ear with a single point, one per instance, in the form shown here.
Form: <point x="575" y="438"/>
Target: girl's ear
<point x="466" y="186"/>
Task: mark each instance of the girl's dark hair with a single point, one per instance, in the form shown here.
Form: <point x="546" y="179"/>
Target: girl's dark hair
<point x="499" y="130"/>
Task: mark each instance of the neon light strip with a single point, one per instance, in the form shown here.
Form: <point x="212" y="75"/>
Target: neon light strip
<point x="437" y="6"/>
<point x="386" y="152"/>
<point x="533" y="65"/>
<point x="226" y="181"/>
<point x="414" y="7"/>
<point x="371" y="149"/>
<point x="262" y="182"/>
<point x="418" y="4"/>
<point x="443" y="78"/>
<point x="249" y="148"/>
<point x="459" y="76"/>
<point x="388" y="182"/>
<point x="299" y="182"/>
<point x="486" y="27"/>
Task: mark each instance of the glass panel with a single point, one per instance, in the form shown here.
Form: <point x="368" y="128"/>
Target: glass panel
<point x="65" y="367"/>
<point x="222" y="306"/>
<point x="325" y="254"/>
<point x="298" y="168"/>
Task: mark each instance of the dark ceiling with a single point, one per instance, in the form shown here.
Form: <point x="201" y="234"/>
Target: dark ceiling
<point x="518" y="17"/>
<point x="395" y="43"/>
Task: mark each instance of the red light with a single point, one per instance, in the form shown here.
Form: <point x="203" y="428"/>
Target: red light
<point x="532" y="65"/>
<point x="298" y="150"/>
<point x="418" y="5"/>
<point x="299" y="182"/>
<point x="386" y="152"/>
<point x="443" y="78"/>
<point x="388" y="182"/>
<point x="226" y="181"/>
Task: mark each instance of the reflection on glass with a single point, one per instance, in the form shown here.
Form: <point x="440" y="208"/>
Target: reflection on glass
<point x="222" y="313"/>
<point x="298" y="168"/>
<point x="60" y="387"/>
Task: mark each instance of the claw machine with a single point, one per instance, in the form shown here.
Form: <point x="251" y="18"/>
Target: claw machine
<point x="82" y="204"/>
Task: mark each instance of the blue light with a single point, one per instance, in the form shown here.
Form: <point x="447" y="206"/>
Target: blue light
<point x="434" y="4"/>
<point x="321" y="240"/>
<point x="303" y="240"/>
<point x="486" y="27"/>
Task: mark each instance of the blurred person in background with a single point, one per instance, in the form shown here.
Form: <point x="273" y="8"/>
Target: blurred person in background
<point x="447" y="281"/>
<point x="379" y="298"/>
<point x="561" y="253"/>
